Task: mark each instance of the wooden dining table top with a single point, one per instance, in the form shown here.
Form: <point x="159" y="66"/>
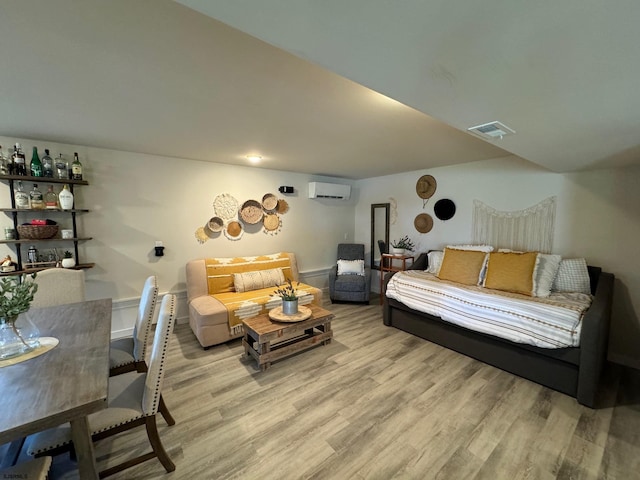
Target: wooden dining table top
<point x="65" y="383"/>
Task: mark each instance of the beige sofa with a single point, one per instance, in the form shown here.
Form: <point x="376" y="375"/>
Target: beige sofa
<point x="210" y="284"/>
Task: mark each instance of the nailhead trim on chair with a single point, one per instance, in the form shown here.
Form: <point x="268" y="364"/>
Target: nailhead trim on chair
<point x="165" y="344"/>
<point x="149" y="321"/>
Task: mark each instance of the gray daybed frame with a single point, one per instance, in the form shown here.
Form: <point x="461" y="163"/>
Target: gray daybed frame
<point x="575" y="371"/>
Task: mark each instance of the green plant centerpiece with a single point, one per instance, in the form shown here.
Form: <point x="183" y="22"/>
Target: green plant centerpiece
<point x="289" y="296"/>
<point x="16" y="295"/>
<point x="404" y="243"/>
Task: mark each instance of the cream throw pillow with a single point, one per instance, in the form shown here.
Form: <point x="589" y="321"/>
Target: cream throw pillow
<point x="248" y="281"/>
<point x="351" y="267"/>
<point x="545" y="273"/>
<point x="434" y="261"/>
<point x="511" y="272"/>
<point x="461" y="266"/>
<point x="573" y="276"/>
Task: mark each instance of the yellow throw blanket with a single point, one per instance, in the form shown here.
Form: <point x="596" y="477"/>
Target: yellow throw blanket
<point x="245" y="305"/>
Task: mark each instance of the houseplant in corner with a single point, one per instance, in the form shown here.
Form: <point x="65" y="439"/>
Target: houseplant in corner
<point x="18" y="334"/>
<point x="400" y="247"/>
<point x="289" y="298"/>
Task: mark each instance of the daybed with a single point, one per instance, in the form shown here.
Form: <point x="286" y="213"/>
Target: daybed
<point x="573" y="370"/>
<point x="221" y="292"/>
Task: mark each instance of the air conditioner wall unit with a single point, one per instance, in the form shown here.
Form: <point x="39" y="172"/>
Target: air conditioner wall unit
<point x="329" y="190"/>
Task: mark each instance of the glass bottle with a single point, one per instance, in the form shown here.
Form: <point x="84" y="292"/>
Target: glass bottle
<point x="19" y="161"/>
<point x="76" y="168"/>
<point x="36" y="164"/>
<point x="4" y="168"/>
<point x="47" y="164"/>
<point x="36" y="198"/>
<point x="21" y="197"/>
<point x="61" y="167"/>
<point x="65" y="197"/>
<point x="10" y="164"/>
<point x="51" y="199"/>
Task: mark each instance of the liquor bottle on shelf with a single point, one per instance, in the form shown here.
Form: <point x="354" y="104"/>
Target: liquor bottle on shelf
<point x="47" y="164"/>
<point x="19" y="161"/>
<point x="10" y="164"/>
<point x="36" y="198"/>
<point x="65" y="197"/>
<point x="36" y="164"/>
<point x="4" y="167"/>
<point x="51" y="199"/>
<point x="21" y="198"/>
<point x="61" y="168"/>
<point x="76" y="168"/>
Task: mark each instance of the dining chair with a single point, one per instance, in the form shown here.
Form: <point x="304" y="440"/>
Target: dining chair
<point x="36" y="469"/>
<point x="133" y="401"/>
<point x="129" y="354"/>
<point x="58" y="286"/>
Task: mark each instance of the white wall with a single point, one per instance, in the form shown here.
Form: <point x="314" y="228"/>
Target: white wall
<point x="597" y="218"/>
<point x="136" y="199"/>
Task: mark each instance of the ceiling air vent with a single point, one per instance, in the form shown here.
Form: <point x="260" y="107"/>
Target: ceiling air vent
<point x="492" y="130"/>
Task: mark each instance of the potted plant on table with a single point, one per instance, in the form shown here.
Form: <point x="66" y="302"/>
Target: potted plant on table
<point x="18" y="335"/>
<point x="400" y="247"/>
<point x="289" y="297"/>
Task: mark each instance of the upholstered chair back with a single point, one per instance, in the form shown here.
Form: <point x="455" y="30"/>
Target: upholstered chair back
<point x="350" y="251"/>
<point x="58" y="286"/>
<point x="157" y="359"/>
<point x="146" y="311"/>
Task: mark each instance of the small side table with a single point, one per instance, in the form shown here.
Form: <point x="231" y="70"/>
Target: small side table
<point x="386" y="265"/>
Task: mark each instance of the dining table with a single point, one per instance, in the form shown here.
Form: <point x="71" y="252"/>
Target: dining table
<point x="64" y="384"/>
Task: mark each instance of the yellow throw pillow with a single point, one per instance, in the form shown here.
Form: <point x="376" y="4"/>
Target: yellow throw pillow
<point x="511" y="272"/>
<point x="461" y="266"/>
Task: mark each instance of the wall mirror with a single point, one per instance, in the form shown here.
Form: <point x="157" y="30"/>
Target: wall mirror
<point x="379" y="231"/>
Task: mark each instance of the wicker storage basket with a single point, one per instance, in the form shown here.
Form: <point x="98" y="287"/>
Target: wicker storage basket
<point x="37" y="232"/>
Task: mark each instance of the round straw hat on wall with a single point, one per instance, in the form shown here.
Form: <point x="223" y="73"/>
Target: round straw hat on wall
<point x="423" y="223"/>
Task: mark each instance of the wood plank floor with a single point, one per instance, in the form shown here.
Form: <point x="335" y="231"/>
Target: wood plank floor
<point x="376" y="403"/>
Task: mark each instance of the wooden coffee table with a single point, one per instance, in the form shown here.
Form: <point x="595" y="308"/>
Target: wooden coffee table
<point x="267" y="340"/>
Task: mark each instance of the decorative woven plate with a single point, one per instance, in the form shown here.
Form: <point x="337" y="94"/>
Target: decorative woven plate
<point x="277" y="315"/>
<point x="423" y="223"/>
<point x="215" y="224"/>
<point x="201" y="235"/>
<point x="226" y="206"/>
<point x="283" y="206"/>
<point x="234" y="230"/>
<point x="251" y="212"/>
<point x="269" y="202"/>
<point x="271" y="222"/>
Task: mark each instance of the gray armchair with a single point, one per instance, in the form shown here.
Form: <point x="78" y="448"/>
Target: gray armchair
<point x="350" y="288"/>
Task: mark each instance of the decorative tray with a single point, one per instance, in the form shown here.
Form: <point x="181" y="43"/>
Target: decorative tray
<point x="276" y="315"/>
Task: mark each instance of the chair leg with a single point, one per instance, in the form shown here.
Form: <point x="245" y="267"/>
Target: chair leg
<point x="156" y="444"/>
<point x="162" y="408"/>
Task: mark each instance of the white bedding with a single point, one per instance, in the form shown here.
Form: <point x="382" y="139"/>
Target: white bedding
<point x="552" y="322"/>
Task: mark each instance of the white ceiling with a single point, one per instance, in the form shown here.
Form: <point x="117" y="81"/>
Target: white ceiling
<point x="154" y="76"/>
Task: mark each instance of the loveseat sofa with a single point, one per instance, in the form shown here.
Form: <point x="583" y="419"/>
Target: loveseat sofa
<point x="221" y="292"/>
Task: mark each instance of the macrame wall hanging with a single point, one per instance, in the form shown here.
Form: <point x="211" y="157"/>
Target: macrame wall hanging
<point x="530" y="229"/>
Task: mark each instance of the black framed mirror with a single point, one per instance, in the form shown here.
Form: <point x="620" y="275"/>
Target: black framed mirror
<point x="379" y="232"/>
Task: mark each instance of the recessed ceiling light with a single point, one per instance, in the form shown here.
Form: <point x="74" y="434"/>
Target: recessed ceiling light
<point x="254" y="158"/>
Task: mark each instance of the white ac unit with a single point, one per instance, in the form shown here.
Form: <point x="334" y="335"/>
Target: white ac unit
<point x="329" y="190"/>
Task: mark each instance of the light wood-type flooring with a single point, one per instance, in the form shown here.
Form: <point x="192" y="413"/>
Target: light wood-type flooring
<point x="377" y="403"/>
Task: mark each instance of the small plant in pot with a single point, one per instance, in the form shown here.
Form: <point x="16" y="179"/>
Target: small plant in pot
<point x="68" y="261"/>
<point x="289" y="297"/>
<point x="399" y="247"/>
